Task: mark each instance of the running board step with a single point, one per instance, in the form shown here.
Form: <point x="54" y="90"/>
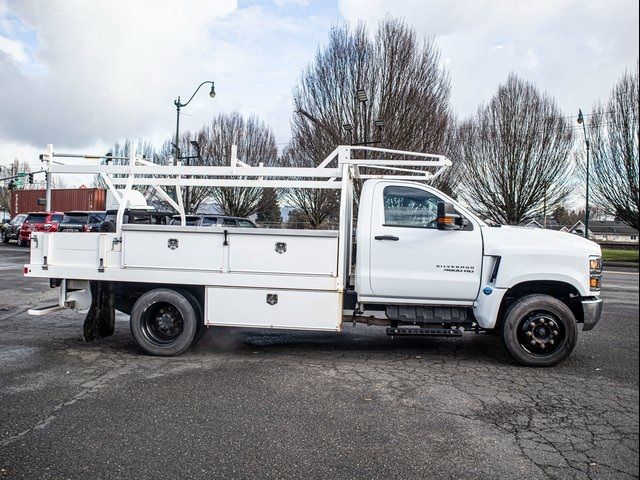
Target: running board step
<point x="40" y="311"/>
<point x="425" y="332"/>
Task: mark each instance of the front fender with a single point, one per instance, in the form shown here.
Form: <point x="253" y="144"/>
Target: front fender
<point x="516" y="269"/>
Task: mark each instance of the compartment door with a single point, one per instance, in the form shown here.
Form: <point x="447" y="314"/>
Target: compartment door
<point x="273" y="308"/>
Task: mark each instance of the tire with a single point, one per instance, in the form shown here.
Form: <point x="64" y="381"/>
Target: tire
<point x="108" y="226"/>
<point x="539" y="331"/>
<point x="163" y="322"/>
<point x="197" y="306"/>
<point x="5" y="237"/>
<point x="21" y="243"/>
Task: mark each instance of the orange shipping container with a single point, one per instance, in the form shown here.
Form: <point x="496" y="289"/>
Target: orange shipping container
<point x="62" y="200"/>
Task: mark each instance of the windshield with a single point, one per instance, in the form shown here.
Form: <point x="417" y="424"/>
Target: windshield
<point x="36" y="218"/>
<point x="75" y="218"/>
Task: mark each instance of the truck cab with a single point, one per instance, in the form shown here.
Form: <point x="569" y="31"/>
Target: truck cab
<point x="431" y="263"/>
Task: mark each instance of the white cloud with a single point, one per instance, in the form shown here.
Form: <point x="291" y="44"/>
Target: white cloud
<point x="13" y="49"/>
<point x="82" y="74"/>
<point x="573" y="49"/>
<point x="103" y="70"/>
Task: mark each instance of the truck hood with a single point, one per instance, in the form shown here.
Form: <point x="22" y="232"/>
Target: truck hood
<point x="526" y="240"/>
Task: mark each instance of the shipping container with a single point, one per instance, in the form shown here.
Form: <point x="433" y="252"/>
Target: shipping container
<point x="62" y="200"/>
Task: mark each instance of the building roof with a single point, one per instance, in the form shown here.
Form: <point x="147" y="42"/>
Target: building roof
<point x="552" y="224"/>
<point x="607" y="227"/>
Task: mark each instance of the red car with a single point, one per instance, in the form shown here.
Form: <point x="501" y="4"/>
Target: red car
<point x="39" y="222"/>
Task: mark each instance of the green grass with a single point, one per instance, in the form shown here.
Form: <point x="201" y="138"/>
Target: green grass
<point x="615" y="255"/>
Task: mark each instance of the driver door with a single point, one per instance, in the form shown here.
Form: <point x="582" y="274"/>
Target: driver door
<point x="411" y="259"/>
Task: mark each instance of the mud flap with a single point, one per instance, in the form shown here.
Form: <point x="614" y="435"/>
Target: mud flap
<point x="100" y="320"/>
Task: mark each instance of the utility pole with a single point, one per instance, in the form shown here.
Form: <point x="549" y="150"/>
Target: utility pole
<point x="47" y="178"/>
<point x="586" y="140"/>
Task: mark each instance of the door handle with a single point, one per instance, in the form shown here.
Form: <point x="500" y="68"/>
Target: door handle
<point x="387" y="237"/>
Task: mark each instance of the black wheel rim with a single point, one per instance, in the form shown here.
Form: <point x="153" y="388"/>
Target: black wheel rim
<point x="541" y="333"/>
<point x="162" y="323"/>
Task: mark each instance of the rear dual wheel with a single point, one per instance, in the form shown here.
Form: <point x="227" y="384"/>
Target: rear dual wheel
<point x="539" y="331"/>
<point x="166" y="322"/>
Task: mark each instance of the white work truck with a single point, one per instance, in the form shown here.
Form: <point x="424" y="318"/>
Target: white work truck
<point x="421" y="264"/>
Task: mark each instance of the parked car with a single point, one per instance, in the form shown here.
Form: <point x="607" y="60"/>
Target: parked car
<point x="39" y="222"/>
<point x="191" y="220"/>
<point x="203" y="220"/>
<point x="225" y="221"/>
<point x="11" y="230"/>
<point x="140" y="217"/>
<point x="82" y="221"/>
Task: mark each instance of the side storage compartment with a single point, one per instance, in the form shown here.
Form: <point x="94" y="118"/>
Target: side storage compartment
<point x="273" y="308"/>
<point x="170" y="248"/>
<point x="255" y="251"/>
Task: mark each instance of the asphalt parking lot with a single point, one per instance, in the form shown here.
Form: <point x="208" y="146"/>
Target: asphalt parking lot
<point x="264" y="404"/>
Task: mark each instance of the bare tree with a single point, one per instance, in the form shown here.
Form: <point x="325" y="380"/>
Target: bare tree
<point x="406" y="88"/>
<point x="614" y="135"/>
<point x="125" y="149"/>
<point x="256" y="144"/>
<point x="316" y="205"/>
<point x="516" y="154"/>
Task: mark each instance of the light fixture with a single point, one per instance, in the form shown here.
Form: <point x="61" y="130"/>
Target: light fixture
<point x="347" y="127"/>
<point x="212" y="93"/>
<point x="580" y="117"/>
<point x="361" y="95"/>
<point x="379" y="123"/>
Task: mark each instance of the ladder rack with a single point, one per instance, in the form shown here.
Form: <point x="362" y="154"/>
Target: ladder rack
<point x="336" y="171"/>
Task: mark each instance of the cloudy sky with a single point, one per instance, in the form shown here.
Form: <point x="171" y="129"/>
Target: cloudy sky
<point x="81" y="74"/>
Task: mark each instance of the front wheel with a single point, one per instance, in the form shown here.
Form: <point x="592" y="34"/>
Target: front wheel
<point x="539" y="331"/>
<point x="163" y="322"/>
<point x="5" y="237"/>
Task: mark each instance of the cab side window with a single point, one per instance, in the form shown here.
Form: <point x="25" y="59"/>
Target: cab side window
<point x="409" y="207"/>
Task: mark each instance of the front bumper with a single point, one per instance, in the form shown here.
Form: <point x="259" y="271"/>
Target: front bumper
<point x="592" y="309"/>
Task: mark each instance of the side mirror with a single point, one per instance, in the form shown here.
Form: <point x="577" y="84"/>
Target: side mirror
<point x="448" y="219"/>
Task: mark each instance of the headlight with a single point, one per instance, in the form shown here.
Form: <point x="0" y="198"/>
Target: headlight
<point x="595" y="273"/>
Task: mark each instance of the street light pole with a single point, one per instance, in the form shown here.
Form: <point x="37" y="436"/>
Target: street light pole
<point x="177" y="153"/>
<point x="586" y="140"/>
<point x="361" y="96"/>
<point x="179" y="105"/>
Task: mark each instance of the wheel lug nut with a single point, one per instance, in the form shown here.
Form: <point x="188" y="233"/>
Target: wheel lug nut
<point x="551" y="342"/>
<point x="529" y="333"/>
<point x="533" y="342"/>
<point x="555" y="333"/>
<point x="533" y="325"/>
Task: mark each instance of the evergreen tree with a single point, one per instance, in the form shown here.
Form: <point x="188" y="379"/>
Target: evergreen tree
<point x="268" y="208"/>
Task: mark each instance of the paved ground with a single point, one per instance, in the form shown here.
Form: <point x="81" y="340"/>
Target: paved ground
<point x="259" y="404"/>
